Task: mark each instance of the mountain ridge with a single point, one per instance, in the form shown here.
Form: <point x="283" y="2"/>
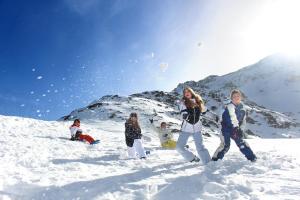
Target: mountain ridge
<point x="257" y="82"/>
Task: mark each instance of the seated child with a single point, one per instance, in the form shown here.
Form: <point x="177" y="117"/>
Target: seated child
<point x="76" y="133"/>
<point x="165" y="136"/>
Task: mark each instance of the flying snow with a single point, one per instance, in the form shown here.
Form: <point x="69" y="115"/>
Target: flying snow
<point x="152" y="55"/>
<point x="163" y="66"/>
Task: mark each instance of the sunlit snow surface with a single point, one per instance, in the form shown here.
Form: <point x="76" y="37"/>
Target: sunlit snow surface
<point x="38" y="162"/>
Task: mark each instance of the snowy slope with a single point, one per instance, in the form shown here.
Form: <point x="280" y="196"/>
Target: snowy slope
<point x="271" y="89"/>
<point x="38" y="162"/>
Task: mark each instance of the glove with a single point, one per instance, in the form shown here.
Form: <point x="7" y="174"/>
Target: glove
<point x="151" y="121"/>
<point x="237" y="132"/>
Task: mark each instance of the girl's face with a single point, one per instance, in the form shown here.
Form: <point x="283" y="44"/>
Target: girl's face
<point x="77" y="123"/>
<point x="236" y="98"/>
<point x="134" y="119"/>
<point x="187" y="94"/>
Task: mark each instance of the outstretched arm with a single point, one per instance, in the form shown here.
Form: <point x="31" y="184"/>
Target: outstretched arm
<point x="211" y="115"/>
<point x="153" y="127"/>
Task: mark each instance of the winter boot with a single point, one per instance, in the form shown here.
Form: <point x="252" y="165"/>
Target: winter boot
<point x="195" y="159"/>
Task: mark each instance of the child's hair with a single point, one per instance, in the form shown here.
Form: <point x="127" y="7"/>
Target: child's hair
<point x="163" y="124"/>
<point x="189" y="103"/>
<point x="133" y="115"/>
<point x="76" y="120"/>
<point x="235" y="91"/>
<point x="135" y="124"/>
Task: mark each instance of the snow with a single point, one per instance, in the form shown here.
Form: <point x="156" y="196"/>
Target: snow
<point x="39" y="162"/>
<point x="271" y="90"/>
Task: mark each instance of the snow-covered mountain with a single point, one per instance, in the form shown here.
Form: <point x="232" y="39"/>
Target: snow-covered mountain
<point x="271" y="90"/>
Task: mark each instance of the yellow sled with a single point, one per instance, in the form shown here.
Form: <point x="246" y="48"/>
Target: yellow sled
<point x="170" y="144"/>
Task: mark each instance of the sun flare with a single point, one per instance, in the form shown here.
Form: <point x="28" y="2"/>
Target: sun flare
<point x="275" y="28"/>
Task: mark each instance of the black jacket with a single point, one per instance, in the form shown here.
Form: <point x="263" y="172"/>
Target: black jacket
<point x="132" y="132"/>
<point x="191" y="115"/>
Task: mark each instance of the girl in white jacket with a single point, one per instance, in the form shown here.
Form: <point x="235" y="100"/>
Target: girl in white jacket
<point x="191" y="108"/>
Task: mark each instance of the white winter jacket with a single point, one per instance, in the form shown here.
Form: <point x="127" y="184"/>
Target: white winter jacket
<point x="74" y="129"/>
<point x="186" y="126"/>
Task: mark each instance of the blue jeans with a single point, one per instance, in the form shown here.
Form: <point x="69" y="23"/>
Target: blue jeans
<point x="186" y="153"/>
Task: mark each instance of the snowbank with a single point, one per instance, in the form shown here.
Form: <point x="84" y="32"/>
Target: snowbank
<point x="39" y="162"/>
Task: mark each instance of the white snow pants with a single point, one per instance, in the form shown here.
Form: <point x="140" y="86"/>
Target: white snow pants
<point x="137" y="150"/>
<point x="188" y="155"/>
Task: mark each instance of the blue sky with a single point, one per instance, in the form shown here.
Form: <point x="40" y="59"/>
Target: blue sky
<point x="59" y="55"/>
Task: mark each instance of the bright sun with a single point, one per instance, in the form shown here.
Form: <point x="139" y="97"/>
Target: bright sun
<point x="275" y="28"/>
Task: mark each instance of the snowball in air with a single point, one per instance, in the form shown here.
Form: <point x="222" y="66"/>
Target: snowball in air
<point x="163" y="66"/>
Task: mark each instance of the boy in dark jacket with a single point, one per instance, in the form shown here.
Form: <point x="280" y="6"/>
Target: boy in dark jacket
<point x="233" y="123"/>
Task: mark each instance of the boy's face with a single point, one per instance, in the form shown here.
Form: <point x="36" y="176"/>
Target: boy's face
<point x="236" y="98"/>
<point x="163" y="126"/>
